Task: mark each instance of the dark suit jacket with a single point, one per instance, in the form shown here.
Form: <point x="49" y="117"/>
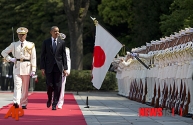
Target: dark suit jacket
<point x="48" y="57"/>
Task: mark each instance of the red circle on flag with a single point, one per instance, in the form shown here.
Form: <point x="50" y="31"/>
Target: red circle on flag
<point x="99" y="56"/>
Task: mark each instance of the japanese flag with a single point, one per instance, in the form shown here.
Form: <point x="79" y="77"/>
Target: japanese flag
<point x="106" y="48"/>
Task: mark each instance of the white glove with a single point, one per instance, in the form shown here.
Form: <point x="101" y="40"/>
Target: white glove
<point x="128" y="53"/>
<point x="7" y="75"/>
<point x="32" y="73"/>
<point x="13" y="60"/>
<point x="134" y="54"/>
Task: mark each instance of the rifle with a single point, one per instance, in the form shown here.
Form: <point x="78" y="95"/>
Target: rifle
<point x="153" y="99"/>
<point x="162" y="97"/>
<point x="178" y="99"/>
<point x="172" y="98"/>
<point x="165" y="97"/>
<point x="131" y="90"/>
<point x="182" y="99"/>
<point x="143" y="97"/>
<point x="141" y="91"/>
<point x="13" y="35"/>
<point x="156" y="103"/>
<point x="186" y="103"/>
<point x="135" y="90"/>
<point x="169" y="97"/>
<point x="138" y="92"/>
<point x="14" y="48"/>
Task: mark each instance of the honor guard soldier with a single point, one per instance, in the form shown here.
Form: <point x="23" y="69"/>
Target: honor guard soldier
<point x="24" y="59"/>
<point x="61" y="99"/>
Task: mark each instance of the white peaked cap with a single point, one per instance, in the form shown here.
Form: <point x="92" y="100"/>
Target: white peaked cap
<point x="62" y="35"/>
<point x="189" y="30"/>
<point x="22" y="30"/>
<point x="148" y="44"/>
<point x="182" y="32"/>
<point x="172" y="36"/>
<point x="177" y="35"/>
<point x="167" y="38"/>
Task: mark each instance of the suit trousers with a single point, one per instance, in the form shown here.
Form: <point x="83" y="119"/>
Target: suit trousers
<point x="4" y="85"/>
<point x="21" y="85"/>
<point x="54" y="81"/>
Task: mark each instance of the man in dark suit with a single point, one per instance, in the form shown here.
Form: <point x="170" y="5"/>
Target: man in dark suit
<point x="5" y="74"/>
<point x="53" y="64"/>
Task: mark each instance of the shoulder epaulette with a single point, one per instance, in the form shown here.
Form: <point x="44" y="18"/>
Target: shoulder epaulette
<point x="29" y="47"/>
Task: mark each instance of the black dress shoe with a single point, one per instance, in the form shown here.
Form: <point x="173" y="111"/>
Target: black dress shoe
<point x="24" y="107"/>
<point x="48" y="104"/>
<point x="188" y="115"/>
<point x="16" y="105"/>
<point x="53" y="107"/>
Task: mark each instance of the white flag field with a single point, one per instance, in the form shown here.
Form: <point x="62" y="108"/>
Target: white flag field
<point x="106" y="48"/>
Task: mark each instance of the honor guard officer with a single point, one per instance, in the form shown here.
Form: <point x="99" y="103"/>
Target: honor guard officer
<point x="24" y="59"/>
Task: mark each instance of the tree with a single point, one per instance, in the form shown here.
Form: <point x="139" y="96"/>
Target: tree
<point x="117" y="14"/>
<point x="76" y="11"/>
<point x="37" y="16"/>
<point x="146" y="19"/>
<point x="180" y="17"/>
<point x="138" y="19"/>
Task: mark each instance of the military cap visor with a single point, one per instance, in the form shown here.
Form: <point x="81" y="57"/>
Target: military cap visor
<point x="22" y="30"/>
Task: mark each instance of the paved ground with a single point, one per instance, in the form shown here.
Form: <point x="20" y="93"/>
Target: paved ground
<point x="108" y="108"/>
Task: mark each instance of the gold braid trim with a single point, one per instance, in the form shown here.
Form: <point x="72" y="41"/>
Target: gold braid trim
<point x="6" y="58"/>
<point x="29" y="48"/>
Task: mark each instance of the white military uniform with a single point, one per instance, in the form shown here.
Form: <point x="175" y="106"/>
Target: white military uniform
<point x="127" y="75"/>
<point x="25" y="64"/>
<point x="189" y="78"/>
<point x="61" y="99"/>
<point x="148" y="75"/>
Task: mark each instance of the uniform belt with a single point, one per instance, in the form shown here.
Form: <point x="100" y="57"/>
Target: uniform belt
<point x="22" y="60"/>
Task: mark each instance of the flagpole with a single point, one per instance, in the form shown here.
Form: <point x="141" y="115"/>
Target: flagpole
<point x="95" y="23"/>
<point x="87" y="106"/>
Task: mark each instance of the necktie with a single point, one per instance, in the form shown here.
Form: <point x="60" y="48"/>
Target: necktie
<point x="22" y="45"/>
<point x="54" y="45"/>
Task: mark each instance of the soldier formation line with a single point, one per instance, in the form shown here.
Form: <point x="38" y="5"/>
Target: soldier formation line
<point x="169" y="82"/>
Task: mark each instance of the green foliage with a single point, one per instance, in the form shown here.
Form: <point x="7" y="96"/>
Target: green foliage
<point x="146" y="20"/>
<point x="132" y="22"/>
<point x="137" y="19"/>
<point x="37" y="16"/>
<point x="180" y="17"/>
<point x="115" y="12"/>
<point x="117" y="15"/>
<point x="87" y="61"/>
<point x="80" y="80"/>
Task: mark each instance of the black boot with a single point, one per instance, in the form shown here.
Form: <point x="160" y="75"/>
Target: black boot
<point x="16" y="105"/>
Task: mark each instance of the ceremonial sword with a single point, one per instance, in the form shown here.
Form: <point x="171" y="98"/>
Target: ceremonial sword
<point x="139" y="60"/>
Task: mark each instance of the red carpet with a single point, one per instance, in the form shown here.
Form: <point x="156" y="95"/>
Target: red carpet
<point x="38" y="114"/>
